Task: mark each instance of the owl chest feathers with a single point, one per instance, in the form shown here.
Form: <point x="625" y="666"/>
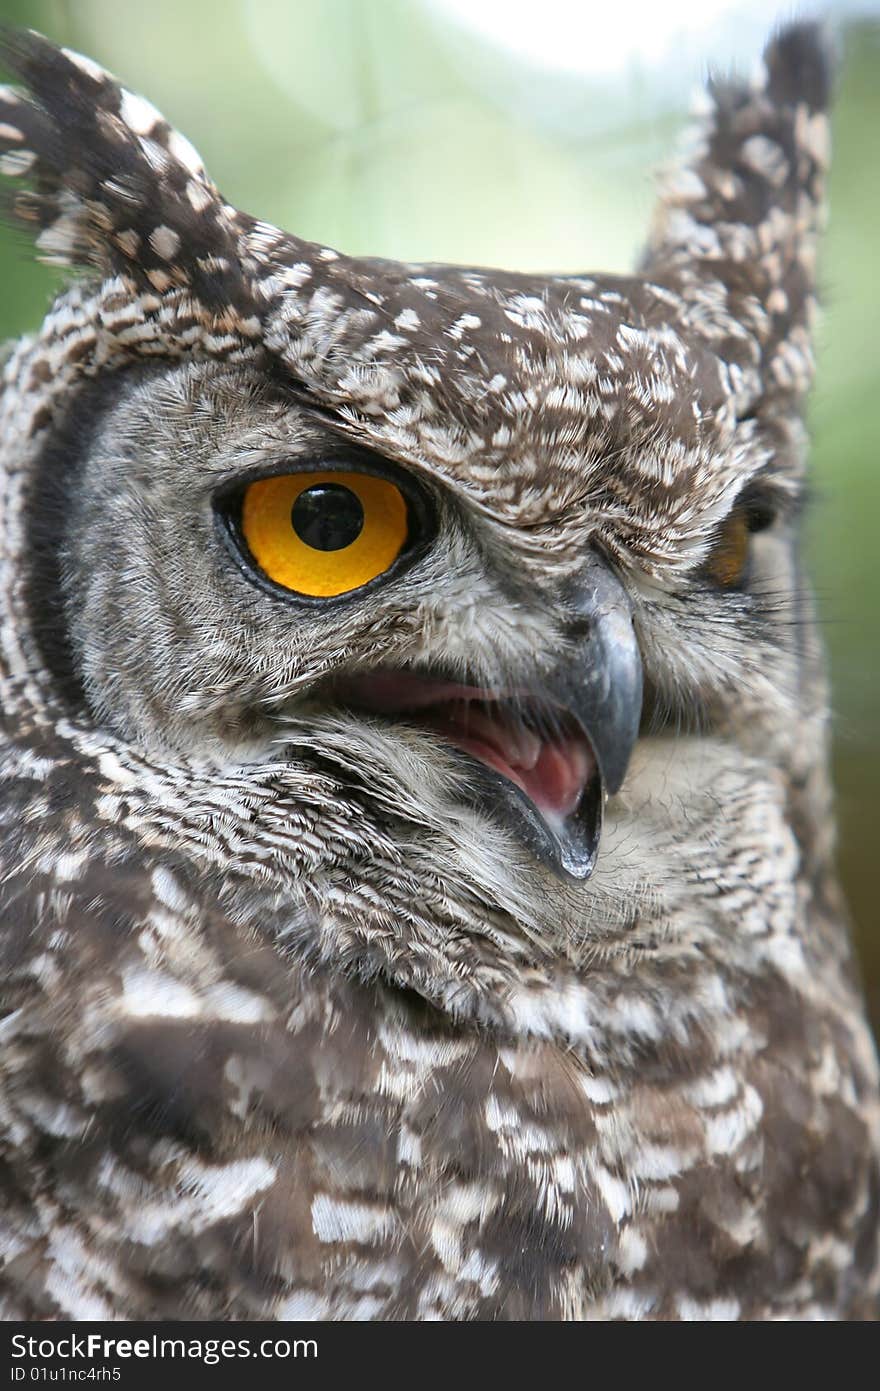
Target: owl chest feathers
<point x="560" y="1141"/>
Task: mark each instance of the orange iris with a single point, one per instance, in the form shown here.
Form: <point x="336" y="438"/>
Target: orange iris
<point x="729" y="556"/>
<point x="326" y="533"/>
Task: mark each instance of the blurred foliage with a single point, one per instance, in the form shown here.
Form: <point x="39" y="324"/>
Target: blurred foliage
<point x="382" y="128"/>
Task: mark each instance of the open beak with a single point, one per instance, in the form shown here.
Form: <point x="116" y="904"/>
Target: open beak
<point x="545" y="754"/>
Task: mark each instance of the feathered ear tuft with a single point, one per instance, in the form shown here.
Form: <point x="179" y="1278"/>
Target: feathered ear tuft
<point x="800" y="67"/>
<point x="736" y="228"/>
<point x="108" y="182"/>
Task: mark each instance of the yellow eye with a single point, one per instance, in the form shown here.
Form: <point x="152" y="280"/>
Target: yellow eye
<point x="326" y="533"/>
<point x="729" y="557"/>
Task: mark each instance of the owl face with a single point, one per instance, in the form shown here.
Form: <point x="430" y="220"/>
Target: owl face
<point x="501" y="662"/>
<point x="426" y="648"/>
<point x="485" y="560"/>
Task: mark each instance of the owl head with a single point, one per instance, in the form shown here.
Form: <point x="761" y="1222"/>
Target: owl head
<point x="397" y="581"/>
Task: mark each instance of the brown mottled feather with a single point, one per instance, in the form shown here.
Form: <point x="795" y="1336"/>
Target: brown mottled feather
<point x="290" y="1028"/>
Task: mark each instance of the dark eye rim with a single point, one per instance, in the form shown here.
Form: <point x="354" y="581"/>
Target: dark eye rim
<point x="420" y="509"/>
<point x="760" y="509"/>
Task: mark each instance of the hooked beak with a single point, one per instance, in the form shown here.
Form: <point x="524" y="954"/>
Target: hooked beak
<point x="602" y="682"/>
<point x="599" y="685"/>
<point x="546" y="755"/>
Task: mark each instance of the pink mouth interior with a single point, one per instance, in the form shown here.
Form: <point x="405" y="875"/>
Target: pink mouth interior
<point x="551" y="768"/>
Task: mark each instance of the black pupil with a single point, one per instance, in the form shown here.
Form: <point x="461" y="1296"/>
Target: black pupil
<point x="327" y="517"/>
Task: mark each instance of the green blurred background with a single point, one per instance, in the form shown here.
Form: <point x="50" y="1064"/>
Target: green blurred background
<point x="525" y="135"/>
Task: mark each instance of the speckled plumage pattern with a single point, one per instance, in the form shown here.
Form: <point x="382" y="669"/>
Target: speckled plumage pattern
<point x="291" y="1027"/>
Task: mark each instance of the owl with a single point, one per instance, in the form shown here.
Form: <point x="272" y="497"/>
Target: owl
<point x="416" y="839"/>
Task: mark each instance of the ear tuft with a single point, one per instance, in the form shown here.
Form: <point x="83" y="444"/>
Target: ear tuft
<point x="800" y="67"/>
<point x="737" y="227"/>
<point x="108" y="183"/>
